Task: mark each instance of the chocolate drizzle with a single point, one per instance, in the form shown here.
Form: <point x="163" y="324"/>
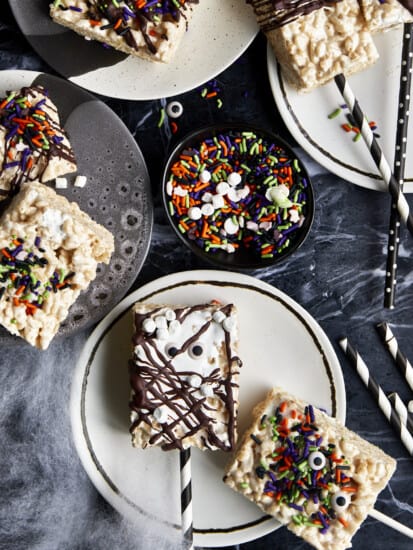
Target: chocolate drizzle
<point x="22" y="122"/>
<point x="126" y="16"/>
<point x="155" y="382"/>
<point x="272" y="14"/>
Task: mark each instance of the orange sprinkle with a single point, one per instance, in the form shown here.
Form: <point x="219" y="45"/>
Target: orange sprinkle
<point x="343" y="522"/>
<point x="283" y="406"/>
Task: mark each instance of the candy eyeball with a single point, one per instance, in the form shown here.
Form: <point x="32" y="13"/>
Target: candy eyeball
<point x="174" y="109"/>
<point x="171" y="350"/>
<point x="196" y="350"/>
<point x="316" y="460"/>
<point x="340" y="501"/>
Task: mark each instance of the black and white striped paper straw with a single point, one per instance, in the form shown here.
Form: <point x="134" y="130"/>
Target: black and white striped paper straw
<point x="399" y="162"/>
<point x="401" y="410"/>
<point x="401" y="361"/>
<point x="376" y="152"/>
<point x="186" y="498"/>
<point x="378" y="394"/>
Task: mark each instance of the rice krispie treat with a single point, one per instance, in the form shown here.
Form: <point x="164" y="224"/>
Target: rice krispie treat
<point x="308" y="471"/>
<point x="184" y="376"/>
<point x="381" y="15"/>
<point x="49" y="251"/>
<point x="151" y="30"/>
<point x="33" y="146"/>
<point x="314" y="40"/>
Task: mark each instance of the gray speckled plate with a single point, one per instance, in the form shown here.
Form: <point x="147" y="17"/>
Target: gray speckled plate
<point x="117" y="193"/>
<point x="219" y="32"/>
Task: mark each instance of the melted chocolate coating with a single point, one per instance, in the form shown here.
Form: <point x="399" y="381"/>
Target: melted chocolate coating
<point x="155" y="381"/>
<point x="272" y="14"/>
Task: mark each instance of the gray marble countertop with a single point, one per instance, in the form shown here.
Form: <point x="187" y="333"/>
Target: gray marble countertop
<point x="46" y="499"/>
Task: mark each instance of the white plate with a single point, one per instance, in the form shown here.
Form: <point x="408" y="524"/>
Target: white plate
<point x="219" y="32"/>
<point x="280" y="344"/>
<point x="377" y="89"/>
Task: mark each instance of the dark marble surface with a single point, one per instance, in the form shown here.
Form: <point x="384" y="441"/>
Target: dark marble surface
<point x="46" y="499"/>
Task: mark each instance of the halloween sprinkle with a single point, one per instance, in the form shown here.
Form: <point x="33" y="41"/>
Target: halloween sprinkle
<point x="303" y="473"/>
<point x="19" y="264"/>
<point x="238" y="190"/>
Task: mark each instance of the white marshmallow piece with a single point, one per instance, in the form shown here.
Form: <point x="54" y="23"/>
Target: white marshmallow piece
<point x="61" y="183"/>
<point x="194" y="213"/>
<point x="205" y="176"/>
<point x="218" y="201"/>
<point x="222" y="188"/>
<point x="174" y="327"/>
<point x="80" y="181"/>
<point x="207" y="209"/>
<point x="230" y="248"/>
<point x="170" y="315"/>
<point x="140" y="352"/>
<point x="169" y="188"/>
<point x="160" y="321"/>
<point x="219" y="316"/>
<point x="194" y="381"/>
<point x="162" y="333"/>
<point x="206" y="390"/>
<point x="148" y="325"/>
<point x="233" y="195"/>
<point x="180" y="191"/>
<point x="294" y="215"/>
<point x="234" y="179"/>
<point x="230" y="226"/>
<point x="229" y="324"/>
<point x="160" y="414"/>
<point x="207" y="197"/>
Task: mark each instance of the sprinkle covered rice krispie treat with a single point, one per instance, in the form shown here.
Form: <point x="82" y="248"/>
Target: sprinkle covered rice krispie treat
<point x="49" y="251"/>
<point x="33" y="147"/>
<point x="184" y="376"/>
<point x="151" y="30"/>
<point x="308" y="471"/>
<point x="314" y="40"/>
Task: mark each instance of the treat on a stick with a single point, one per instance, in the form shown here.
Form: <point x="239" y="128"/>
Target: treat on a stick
<point x="314" y="40"/>
<point x="382" y="15"/>
<point x="34" y="145"/>
<point x="308" y="471"/>
<point x="184" y="376"/>
<point x="49" y="251"/>
<point x="150" y="30"/>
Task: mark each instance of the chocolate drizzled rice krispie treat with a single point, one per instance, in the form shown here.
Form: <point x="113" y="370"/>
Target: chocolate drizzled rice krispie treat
<point x="151" y="30"/>
<point x="184" y="376"/>
<point x="33" y="147"/>
<point x="49" y="251"/>
<point x="308" y="471"/>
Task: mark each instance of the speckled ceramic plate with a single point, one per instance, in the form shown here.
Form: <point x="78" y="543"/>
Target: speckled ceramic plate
<point x="117" y="193"/>
<point x="280" y="344"/>
<point x="377" y="89"/>
<point x="218" y="34"/>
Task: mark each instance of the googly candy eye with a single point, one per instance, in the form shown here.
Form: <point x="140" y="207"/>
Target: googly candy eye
<point x="196" y="350"/>
<point x="174" y="109"/>
<point x="340" y="501"/>
<point x="171" y="350"/>
<point x="316" y="460"/>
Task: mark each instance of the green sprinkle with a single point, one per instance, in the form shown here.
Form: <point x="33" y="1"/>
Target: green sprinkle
<point x="244" y="485"/>
<point x="357" y="137"/>
<point x="335" y="113"/>
<point x="161" y="118"/>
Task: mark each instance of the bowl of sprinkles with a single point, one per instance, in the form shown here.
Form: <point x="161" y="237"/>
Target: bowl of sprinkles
<point x="238" y="198"/>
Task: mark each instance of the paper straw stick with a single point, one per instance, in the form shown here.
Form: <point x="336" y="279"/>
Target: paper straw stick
<point x="375" y="150"/>
<point x="186" y="498"/>
<point x="378" y="394"/>
<point x="400" y="359"/>
<point x="401" y="410"/>
<point x="399" y="162"/>
<point x="390" y="522"/>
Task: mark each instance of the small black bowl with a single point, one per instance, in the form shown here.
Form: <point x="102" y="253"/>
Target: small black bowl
<point x="246" y="255"/>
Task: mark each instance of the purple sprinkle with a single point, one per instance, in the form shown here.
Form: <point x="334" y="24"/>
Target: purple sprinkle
<point x="296" y="506"/>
